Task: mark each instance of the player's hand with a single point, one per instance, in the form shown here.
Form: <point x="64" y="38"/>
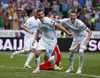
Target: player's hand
<point x="33" y="43"/>
<point x="70" y="34"/>
<point x="86" y="42"/>
<point x="31" y="32"/>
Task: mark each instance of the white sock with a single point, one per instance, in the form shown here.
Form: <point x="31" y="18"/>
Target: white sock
<point x="29" y="58"/>
<point x="19" y="52"/>
<point x="37" y="61"/>
<point x="51" y="58"/>
<point x="71" y="59"/>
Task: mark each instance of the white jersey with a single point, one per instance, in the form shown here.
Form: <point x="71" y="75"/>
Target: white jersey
<point x="79" y="28"/>
<point x="32" y="25"/>
<point x="48" y="29"/>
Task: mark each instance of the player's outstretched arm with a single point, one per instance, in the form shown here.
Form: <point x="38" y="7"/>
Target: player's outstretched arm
<point x="57" y="20"/>
<point x="63" y="29"/>
<point x="89" y="35"/>
<point x="36" y="36"/>
<point x="25" y="28"/>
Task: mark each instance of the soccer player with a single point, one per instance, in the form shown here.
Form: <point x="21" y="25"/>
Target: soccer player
<point x="47" y="65"/>
<point x="48" y="40"/>
<point x="30" y="27"/>
<point x="81" y="37"/>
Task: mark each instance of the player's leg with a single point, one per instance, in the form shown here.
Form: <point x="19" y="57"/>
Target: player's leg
<point x="16" y="52"/>
<point x="71" y="60"/>
<point x="37" y="61"/>
<point x="81" y="57"/>
<point x="50" y="45"/>
<point x="25" y="51"/>
<point x="73" y="49"/>
<point x="30" y="56"/>
<point x="46" y="65"/>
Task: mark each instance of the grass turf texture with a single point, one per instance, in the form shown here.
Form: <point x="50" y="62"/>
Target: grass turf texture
<point x="91" y="67"/>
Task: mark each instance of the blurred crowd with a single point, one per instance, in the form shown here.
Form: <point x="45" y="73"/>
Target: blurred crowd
<point x="14" y="13"/>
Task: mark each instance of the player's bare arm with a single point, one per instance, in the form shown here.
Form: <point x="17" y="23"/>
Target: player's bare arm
<point x="88" y="37"/>
<point x="57" y="20"/>
<point x="63" y="29"/>
<point x="36" y="36"/>
<point x="25" y="28"/>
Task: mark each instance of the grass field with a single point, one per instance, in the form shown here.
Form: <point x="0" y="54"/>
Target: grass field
<point x="13" y="68"/>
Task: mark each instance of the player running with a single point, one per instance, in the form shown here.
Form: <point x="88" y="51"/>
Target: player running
<point x="81" y="37"/>
<point x="48" y="40"/>
<point x="30" y="27"/>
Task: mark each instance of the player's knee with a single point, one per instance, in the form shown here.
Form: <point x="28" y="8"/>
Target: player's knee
<point x="46" y="58"/>
<point x="71" y="54"/>
<point x="26" y="52"/>
<point x="33" y="50"/>
<point x="37" y="54"/>
<point x="81" y="52"/>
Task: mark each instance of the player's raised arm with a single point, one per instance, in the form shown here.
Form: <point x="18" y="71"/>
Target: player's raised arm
<point x="25" y="28"/>
<point x="63" y="29"/>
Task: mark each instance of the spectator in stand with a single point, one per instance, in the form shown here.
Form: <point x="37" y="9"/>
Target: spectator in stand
<point x="97" y="13"/>
<point x="49" y="14"/>
<point x="94" y="2"/>
<point x="98" y="25"/>
<point x="55" y="15"/>
<point x="26" y="17"/>
<point x="85" y="8"/>
<point x="88" y="14"/>
<point x="88" y="4"/>
<point x="15" y="20"/>
<point x="2" y="21"/>
<point x="47" y="7"/>
<point x="64" y="6"/>
<point x="92" y="22"/>
<point x="81" y="2"/>
<point x="17" y="35"/>
<point x="82" y="15"/>
<point x="1" y="5"/>
<point x="69" y="10"/>
<point x="86" y="22"/>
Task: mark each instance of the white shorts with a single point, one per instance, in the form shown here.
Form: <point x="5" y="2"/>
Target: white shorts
<point x="28" y="45"/>
<point x="75" y="45"/>
<point x="47" y="45"/>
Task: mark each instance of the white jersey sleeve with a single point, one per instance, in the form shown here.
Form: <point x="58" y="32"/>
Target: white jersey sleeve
<point x="27" y="23"/>
<point x="50" y="22"/>
<point x="82" y="25"/>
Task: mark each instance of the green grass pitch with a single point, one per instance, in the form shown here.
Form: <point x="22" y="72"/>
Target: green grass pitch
<point x="13" y="68"/>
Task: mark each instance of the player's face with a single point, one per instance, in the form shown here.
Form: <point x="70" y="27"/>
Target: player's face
<point x="73" y="17"/>
<point x="40" y="15"/>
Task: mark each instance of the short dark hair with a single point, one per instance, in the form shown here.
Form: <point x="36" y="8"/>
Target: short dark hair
<point x="73" y="12"/>
<point x="39" y="10"/>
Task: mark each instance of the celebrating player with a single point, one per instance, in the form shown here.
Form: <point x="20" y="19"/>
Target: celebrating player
<point x="48" y="40"/>
<point x="81" y="37"/>
<point x="30" y="27"/>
